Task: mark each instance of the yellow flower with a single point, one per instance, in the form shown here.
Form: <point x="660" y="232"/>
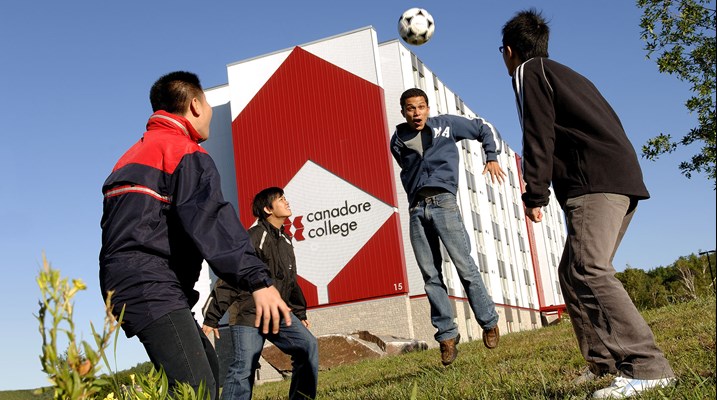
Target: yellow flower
<point x="79" y="284"/>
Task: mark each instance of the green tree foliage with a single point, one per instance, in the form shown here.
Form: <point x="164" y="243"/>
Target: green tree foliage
<point x="646" y="291"/>
<point x="681" y="33"/>
<point x="686" y="279"/>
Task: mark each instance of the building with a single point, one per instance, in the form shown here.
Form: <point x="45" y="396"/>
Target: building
<point x="333" y="105"/>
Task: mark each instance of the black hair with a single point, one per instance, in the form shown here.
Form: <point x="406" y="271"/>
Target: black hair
<point x="413" y="92"/>
<point x="264" y="199"/>
<point x="174" y="91"/>
<point x="527" y="34"/>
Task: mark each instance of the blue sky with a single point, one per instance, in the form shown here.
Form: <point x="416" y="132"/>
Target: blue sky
<point x="76" y="76"/>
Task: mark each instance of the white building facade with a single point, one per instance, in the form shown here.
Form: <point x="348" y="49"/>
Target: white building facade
<point x="356" y="264"/>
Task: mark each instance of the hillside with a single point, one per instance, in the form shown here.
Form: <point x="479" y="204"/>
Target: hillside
<point x="527" y="365"/>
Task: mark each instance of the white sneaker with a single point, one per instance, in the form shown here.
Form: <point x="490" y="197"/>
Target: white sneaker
<point x="622" y="388"/>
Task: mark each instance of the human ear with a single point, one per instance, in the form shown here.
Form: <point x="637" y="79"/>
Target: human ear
<point x="195" y="107"/>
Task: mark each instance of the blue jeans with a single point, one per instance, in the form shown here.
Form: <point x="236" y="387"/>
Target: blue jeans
<point x="176" y="343"/>
<point x="294" y="340"/>
<point x="437" y="217"/>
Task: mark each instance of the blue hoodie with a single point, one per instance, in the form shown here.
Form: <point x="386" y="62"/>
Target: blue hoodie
<point x="438" y="165"/>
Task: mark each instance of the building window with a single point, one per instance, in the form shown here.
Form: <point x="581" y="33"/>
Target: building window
<point x="476" y="221"/>
<point x="482" y="262"/>
<point x="419" y="76"/>
<point x="496" y="231"/>
<point x="509" y="313"/>
<point x="489" y="192"/>
<point x="521" y="245"/>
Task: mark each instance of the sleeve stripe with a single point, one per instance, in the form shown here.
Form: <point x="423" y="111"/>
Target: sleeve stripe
<point x="120" y="190"/>
<point x="263" y="238"/>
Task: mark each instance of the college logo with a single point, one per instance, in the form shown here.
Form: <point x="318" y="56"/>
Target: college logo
<point x="294" y="227"/>
<point x="332" y="221"/>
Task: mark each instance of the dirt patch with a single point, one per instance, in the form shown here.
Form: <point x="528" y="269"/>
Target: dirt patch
<point x="334" y="350"/>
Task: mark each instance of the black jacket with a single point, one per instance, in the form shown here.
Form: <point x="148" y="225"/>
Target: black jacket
<point x="571" y="137"/>
<point x="163" y="214"/>
<point x="275" y="248"/>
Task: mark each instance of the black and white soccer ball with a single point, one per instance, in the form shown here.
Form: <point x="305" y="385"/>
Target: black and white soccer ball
<point x="416" y="26"/>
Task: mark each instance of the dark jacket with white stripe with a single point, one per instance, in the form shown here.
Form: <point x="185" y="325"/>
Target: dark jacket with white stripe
<point x="436" y="164"/>
<point x="274" y="247"/>
<point x="163" y="214"/>
<point x="571" y="137"/>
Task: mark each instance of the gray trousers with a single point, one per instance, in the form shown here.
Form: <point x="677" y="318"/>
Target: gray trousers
<point x="612" y="335"/>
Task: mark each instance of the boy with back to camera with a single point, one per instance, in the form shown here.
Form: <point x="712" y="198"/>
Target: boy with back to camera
<point x="163" y="213"/>
<point x="573" y="139"/>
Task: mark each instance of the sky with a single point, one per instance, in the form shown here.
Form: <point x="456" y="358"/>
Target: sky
<point x="75" y="78"/>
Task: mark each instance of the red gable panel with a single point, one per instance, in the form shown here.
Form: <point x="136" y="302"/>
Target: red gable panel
<point x="310" y="109"/>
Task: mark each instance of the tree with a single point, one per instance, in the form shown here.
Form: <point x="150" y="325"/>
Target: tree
<point x="682" y="35"/>
<point x="644" y="290"/>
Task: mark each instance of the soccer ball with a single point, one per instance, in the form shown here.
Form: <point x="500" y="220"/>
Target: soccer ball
<point x="416" y="26"/>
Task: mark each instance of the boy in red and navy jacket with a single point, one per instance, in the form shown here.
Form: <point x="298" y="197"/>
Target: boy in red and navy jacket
<point x="163" y="214"/>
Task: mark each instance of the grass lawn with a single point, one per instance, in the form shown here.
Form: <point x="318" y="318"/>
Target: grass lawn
<point x="527" y="365"/>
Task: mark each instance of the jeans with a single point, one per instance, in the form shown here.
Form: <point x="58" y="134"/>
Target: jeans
<point x="294" y="340"/>
<point x="437" y="217"/>
<point x="176" y="343"/>
<point x="612" y="335"/>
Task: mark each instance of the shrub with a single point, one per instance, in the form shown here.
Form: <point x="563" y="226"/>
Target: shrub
<point x="74" y="372"/>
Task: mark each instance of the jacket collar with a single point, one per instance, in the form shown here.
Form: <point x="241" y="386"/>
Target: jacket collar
<point x="164" y="120"/>
<point x="404" y="131"/>
<point x="276" y="232"/>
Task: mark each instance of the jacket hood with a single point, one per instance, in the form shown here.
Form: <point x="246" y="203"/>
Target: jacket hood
<point x="163" y="119"/>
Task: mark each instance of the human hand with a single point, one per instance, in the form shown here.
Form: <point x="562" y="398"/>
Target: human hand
<point x="269" y="309"/>
<point x="209" y="331"/>
<point x="495" y="171"/>
<point x="534" y="214"/>
<point x="306" y="323"/>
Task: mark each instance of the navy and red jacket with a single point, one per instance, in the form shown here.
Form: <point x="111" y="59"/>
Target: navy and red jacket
<point x="163" y="214"/>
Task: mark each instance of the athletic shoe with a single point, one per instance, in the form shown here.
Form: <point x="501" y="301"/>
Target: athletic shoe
<point x="623" y="388"/>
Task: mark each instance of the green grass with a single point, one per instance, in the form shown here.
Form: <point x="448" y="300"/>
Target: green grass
<point x="527" y="365"/>
<point x="23" y="395"/>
